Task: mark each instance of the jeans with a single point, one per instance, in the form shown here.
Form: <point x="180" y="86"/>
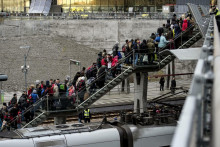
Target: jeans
<point x="136" y="58"/>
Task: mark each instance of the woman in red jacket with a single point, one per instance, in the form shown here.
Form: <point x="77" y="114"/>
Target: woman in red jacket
<point x="185" y="25"/>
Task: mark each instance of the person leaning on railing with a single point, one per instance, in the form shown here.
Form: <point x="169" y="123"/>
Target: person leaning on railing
<point x="163" y="41"/>
<point x="216" y="11"/>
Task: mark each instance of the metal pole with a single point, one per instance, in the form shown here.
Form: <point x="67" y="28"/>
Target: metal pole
<point x="70" y="70"/>
<point x="25" y="72"/>
<point x="47" y="103"/>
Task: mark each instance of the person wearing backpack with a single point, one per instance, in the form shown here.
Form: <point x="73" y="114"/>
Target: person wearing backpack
<point x="124" y="47"/>
<point x="81" y="89"/>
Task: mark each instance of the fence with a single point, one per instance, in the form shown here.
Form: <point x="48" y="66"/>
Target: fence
<point x="95" y="15"/>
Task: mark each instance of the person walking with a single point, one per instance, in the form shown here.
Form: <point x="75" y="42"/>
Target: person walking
<point x="162" y="81"/>
<point x="13" y="100"/>
<point x="173" y="85"/>
<point x="87" y="116"/>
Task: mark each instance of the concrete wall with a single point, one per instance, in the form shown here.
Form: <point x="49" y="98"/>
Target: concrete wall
<point x="98" y="34"/>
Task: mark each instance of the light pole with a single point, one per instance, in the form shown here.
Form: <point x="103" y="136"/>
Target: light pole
<point x="75" y="62"/>
<point x="2" y="78"/>
<point x="25" y="67"/>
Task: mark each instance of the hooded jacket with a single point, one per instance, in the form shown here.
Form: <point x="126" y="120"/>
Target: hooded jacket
<point x="185" y="25"/>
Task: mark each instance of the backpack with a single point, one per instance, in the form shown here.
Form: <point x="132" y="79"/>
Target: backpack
<point x="124" y="48"/>
<point x="62" y="87"/>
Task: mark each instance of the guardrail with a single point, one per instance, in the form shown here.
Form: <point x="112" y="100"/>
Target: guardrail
<point x="194" y="124"/>
<point x="216" y="100"/>
<point x="93" y="15"/>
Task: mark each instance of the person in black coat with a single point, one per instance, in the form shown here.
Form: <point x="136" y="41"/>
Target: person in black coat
<point x="162" y="81"/>
<point x="173" y="85"/>
<point x="101" y="76"/>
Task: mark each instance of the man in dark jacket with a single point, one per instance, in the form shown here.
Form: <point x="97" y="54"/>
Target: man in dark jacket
<point x="168" y="23"/>
<point x="13" y="100"/>
<point x="22" y="102"/>
<point x="115" y="49"/>
<point x="162" y="81"/>
<point x="101" y="76"/>
<point x="99" y="59"/>
<point x="173" y="85"/>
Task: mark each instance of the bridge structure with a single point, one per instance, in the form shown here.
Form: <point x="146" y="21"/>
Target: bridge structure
<point x="199" y="121"/>
<point x="140" y="71"/>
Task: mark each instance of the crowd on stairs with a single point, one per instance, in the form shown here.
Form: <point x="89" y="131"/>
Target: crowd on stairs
<point x="64" y="95"/>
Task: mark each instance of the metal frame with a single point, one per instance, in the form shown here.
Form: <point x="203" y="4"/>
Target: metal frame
<point x="193" y="121"/>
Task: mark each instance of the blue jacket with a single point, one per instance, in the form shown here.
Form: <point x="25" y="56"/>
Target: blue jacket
<point x="162" y="42"/>
<point x="157" y="39"/>
<point x="34" y="97"/>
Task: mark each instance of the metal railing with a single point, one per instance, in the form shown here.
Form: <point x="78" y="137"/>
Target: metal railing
<point x="93" y="15"/>
<point x="215" y="121"/>
<point x="194" y="123"/>
<point x="200" y="20"/>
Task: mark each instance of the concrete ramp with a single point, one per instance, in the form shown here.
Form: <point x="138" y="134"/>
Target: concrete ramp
<point x="187" y="54"/>
<point x="40" y="6"/>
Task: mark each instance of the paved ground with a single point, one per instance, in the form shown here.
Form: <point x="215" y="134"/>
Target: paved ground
<point x="115" y="97"/>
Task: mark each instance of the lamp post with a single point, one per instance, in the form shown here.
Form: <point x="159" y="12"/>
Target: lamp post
<point x="75" y="62"/>
<point x="25" y="67"/>
<point x="2" y="78"/>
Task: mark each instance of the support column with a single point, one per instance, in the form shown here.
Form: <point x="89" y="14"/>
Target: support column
<point x="59" y="120"/>
<point x="140" y="97"/>
<point x="168" y="77"/>
<point x="173" y="68"/>
<point x="125" y="86"/>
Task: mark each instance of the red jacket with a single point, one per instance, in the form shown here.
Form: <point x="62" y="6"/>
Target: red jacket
<point x="103" y="62"/>
<point x="185" y="25"/>
<point x="114" y="61"/>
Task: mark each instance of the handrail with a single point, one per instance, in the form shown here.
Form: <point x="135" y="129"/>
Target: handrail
<point x="103" y="88"/>
<point x="33" y="120"/>
<point x="98" y="77"/>
<point x="179" y="36"/>
<point x="189" y="40"/>
<point x="25" y="111"/>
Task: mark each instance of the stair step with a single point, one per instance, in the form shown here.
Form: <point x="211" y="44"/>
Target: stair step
<point x="81" y="107"/>
<point x="38" y="119"/>
<point x="106" y="88"/>
<point x="94" y="97"/>
<point x="118" y="80"/>
<point x="126" y="74"/>
<point x="43" y="116"/>
<point x="98" y="94"/>
<point x="130" y="71"/>
<point x="110" y="78"/>
<point x="162" y="64"/>
<point x="110" y="85"/>
<point x="102" y="92"/>
<point x="29" y="126"/>
<point x="85" y="104"/>
<point x="89" y="100"/>
<point x="113" y="82"/>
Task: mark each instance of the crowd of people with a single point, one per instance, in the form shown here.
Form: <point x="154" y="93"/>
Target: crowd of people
<point x="146" y="51"/>
<point x="63" y="95"/>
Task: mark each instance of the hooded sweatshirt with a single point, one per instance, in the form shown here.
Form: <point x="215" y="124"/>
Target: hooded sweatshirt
<point x="185" y="25"/>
